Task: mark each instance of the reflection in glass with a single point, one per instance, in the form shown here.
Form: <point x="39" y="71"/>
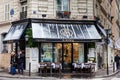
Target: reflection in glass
<point x="78" y="31"/>
<point x="67" y="53"/>
<point x="65" y="5"/>
<point x="92" y="30"/>
<point x="53" y="30"/>
<point x="64" y="31"/>
<point x="46" y="52"/>
<point x="85" y="32"/>
<point x="62" y="5"/>
<point x="16" y="31"/>
<point x="58" y="52"/>
<point x="78" y="52"/>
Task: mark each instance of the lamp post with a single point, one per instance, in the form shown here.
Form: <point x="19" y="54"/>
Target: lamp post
<point x="108" y="31"/>
<point x="26" y="39"/>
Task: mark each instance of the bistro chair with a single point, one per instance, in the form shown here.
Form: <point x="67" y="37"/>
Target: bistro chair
<point x="92" y="70"/>
<point x="77" y="67"/>
<point x="49" y="67"/>
<point x="42" y="68"/>
<point x="57" y="68"/>
<point x="92" y="67"/>
<point x="87" y="68"/>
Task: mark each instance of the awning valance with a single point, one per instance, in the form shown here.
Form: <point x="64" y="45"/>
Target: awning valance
<point x="102" y="30"/>
<point x="15" y="31"/>
<point x="117" y="44"/>
<point x="47" y="31"/>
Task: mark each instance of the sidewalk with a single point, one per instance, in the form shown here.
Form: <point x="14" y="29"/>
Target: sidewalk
<point x="99" y="74"/>
<point x="103" y="73"/>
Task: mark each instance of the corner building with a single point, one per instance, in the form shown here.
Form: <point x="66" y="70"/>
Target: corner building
<point x="65" y="31"/>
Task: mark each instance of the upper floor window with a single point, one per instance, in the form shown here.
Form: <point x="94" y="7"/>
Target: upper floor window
<point x="62" y="5"/>
<point x="4" y="45"/>
<point x="7" y="10"/>
<point x="23" y="13"/>
<point x="62" y="8"/>
<point x="24" y="8"/>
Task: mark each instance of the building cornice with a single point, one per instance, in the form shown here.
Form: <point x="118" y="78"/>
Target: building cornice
<point x="5" y="23"/>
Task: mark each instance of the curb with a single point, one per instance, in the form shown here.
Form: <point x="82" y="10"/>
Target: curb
<point x="40" y="77"/>
<point x="108" y="75"/>
<point x="23" y="77"/>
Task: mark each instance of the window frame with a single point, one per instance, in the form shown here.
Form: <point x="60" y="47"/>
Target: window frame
<point x="7" y="11"/>
<point x="62" y="5"/>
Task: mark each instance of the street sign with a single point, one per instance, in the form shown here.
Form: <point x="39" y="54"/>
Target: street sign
<point x="12" y="12"/>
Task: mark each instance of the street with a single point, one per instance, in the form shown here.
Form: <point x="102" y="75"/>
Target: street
<point x="114" y="77"/>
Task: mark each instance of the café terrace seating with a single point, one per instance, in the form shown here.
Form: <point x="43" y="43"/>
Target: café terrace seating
<point x="86" y="68"/>
<point x="50" y="68"/>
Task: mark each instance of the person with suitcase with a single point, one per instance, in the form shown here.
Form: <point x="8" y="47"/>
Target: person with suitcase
<point x="20" y="61"/>
<point x="13" y="63"/>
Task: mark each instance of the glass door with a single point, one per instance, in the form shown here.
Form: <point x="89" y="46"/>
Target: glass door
<point x="67" y="53"/>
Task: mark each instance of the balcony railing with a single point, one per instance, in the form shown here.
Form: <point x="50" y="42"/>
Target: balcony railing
<point x="23" y="15"/>
<point x="22" y="1"/>
<point x="63" y="14"/>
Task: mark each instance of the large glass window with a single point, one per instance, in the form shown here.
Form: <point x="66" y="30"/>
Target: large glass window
<point x="62" y="5"/>
<point x="23" y="13"/>
<point x="4" y="45"/>
<point x="58" y="52"/>
<point x="7" y="10"/>
<point x="46" y="52"/>
<point x="78" y="52"/>
<point x="62" y="9"/>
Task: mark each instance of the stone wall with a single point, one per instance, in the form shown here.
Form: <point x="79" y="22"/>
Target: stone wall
<point x="78" y="9"/>
<point x="4" y="61"/>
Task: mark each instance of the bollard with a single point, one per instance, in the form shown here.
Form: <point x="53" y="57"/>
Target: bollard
<point x="29" y="68"/>
<point x="113" y="66"/>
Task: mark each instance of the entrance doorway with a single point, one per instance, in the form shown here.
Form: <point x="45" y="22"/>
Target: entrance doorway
<point x="67" y="56"/>
<point x="69" y="53"/>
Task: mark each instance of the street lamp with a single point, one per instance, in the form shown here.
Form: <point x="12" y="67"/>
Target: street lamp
<point x="108" y="31"/>
<point x="26" y="37"/>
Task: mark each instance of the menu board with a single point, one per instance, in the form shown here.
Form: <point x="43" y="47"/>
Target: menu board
<point x="91" y="52"/>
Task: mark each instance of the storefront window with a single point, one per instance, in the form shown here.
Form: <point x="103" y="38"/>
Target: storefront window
<point x="52" y="52"/>
<point x="78" y="52"/>
<point x="58" y="52"/>
<point x="46" y="52"/>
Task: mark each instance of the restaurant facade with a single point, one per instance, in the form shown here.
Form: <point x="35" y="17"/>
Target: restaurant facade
<point x="51" y="40"/>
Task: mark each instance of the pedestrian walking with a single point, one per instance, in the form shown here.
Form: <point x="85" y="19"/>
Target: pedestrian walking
<point x="13" y="63"/>
<point x="117" y="59"/>
<point x="20" y="61"/>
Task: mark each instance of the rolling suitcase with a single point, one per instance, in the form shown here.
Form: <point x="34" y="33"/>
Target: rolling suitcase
<point x="12" y="70"/>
